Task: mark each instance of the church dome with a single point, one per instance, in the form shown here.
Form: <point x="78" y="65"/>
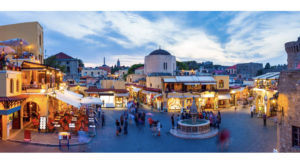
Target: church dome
<point x="159" y="52"/>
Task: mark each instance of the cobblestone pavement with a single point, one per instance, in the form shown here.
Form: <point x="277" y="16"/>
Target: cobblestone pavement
<point x="247" y="135"/>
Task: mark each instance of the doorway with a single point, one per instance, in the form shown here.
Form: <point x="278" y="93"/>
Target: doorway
<point x="16" y="123"/>
<point x="30" y="110"/>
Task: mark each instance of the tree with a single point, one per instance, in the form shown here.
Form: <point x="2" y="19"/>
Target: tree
<point x="268" y="66"/>
<point x="182" y="65"/>
<point x="132" y="69"/>
<point x="52" y="62"/>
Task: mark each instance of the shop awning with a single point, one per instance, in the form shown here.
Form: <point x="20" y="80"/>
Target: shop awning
<point x="209" y="83"/>
<point x="122" y="94"/>
<point x="90" y="101"/>
<point x="148" y="92"/>
<point x="136" y="89"/>
<point x="175" y="96"/>
<point x="191" y="83"/>
<point x="224" y="96"/>
<point x="208" y="95"/>
<point x="67" y="99"/>
<point x="158" y="95"/>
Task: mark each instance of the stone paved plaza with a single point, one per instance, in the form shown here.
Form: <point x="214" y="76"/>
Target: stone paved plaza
<point x="247" y="135"/>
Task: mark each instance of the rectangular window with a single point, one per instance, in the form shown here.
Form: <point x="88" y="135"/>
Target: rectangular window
<point x="166" y="66"/>
<point x="295" y="136"/>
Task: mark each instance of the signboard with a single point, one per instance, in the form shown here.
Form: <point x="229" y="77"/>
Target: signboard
<point x="43" y="123"/>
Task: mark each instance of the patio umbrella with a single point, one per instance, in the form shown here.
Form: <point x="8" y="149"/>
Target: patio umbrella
<point x="149" y="114"/>
<point x="14" y="42"/>
<point x="7" y="50"/>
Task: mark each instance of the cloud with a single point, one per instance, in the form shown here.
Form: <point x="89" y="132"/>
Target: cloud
<point x="257" y="36"/>
<point x="77" y="25"/>
<point x="251" y="36"/>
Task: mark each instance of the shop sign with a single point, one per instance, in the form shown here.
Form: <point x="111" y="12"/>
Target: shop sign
<point x="43" y="122"/>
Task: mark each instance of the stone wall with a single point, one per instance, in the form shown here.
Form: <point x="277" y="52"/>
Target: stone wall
<point x="289" y="103"/>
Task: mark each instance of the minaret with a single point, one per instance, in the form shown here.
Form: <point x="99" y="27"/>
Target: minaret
<point x="118" y="63"/>
<point x="104" y="61"/>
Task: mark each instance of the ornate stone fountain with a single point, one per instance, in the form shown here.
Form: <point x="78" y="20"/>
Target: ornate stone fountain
<point x="194" y="128"/>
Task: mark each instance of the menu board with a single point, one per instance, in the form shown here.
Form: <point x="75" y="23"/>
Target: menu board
<point x="43" y="123"/>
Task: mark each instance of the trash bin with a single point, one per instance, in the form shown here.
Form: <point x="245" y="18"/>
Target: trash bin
<point x="27" y="135"/>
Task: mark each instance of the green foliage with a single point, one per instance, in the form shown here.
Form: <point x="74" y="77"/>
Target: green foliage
<point x="81" y="64"/>
<point x="268" y="66"/>
<point x="132" y="69"/>
<point x="52" y="62"/>
<point x="181" y="65"/>
<point x="259" y="72"/>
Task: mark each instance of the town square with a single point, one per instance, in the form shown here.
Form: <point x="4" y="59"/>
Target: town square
<point x="148" y="82"/>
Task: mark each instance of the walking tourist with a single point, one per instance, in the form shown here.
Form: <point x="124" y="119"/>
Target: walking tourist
<point x="223" y="139"/>
<point x="125" y="126"/>
<point x="251" y="110"/>
<point x="143" y="118"/>
<point x="150" y="121"/>
<point x="172" y="120"/>
<point x="265" y="119"/>
<point x="102" y="119"/>
<point x="158" y="128"/>
<point x="118" y="128"/>
<point x="122" y="119"/>
<point x="178" y="119"/>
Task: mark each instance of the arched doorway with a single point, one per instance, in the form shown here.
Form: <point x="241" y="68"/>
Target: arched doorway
<point x="30" y="111"/>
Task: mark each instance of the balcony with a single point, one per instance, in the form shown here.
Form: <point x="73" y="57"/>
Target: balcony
<point x="37" y="88"/>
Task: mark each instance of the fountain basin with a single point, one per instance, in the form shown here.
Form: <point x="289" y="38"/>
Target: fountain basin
<point x="201" y="126"/>
<point x="199" y="130"/>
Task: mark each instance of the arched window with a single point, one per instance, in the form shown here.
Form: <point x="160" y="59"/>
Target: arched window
<point x="221" y="84"/>
<point x="11" y="85"/>
<point x="17" y="86"/>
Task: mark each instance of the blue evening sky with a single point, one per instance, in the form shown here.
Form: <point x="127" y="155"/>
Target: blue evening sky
<point x="225" y="37"/>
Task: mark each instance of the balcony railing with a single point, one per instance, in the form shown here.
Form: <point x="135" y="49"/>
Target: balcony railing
<point x="31" y="86"/>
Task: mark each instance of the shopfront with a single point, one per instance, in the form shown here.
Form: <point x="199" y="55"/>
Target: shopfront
<point x="209" y="100"/>
<point x="108" y="100"/>
<point x="121" y="100"/>
<point x="224" y="100"/>
<point x="174" y="104"/>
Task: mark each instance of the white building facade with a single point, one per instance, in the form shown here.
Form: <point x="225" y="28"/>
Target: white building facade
<point x="160" y="61"/>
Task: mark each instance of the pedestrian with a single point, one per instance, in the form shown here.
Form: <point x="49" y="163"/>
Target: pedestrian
<point x="178" y="119"/>
<point x="251" y="110"/>
<point x="150" y="121"/>
<point x="158" y="128"/>
<point x="154" y="126"/>
<point x="118" y="128"/>
<point x="172" y="120"/>
<point x="122" y="119"/>
<point x="218" y="121"/>
<point x="143" y="118"/>
<point x="223" y="139"/>
<point x="125" y="126"/>
<point x="265" y="119"/>
<point x="102" y="119"/>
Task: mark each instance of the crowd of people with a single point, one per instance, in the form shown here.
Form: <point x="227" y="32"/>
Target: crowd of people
<point x="133" y="115"/>
<point x="214" y="119"/>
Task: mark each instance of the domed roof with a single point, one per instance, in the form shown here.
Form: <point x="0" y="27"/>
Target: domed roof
<point x="159" y="52"/>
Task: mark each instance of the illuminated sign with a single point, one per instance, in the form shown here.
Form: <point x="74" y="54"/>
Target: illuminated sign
<point x="43" y="123"/>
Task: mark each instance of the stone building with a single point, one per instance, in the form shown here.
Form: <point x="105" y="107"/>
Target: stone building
<point x="160" y="61"/>
<point x="293" y="51"/>
<point x="248" y="70"/>
<point x="288" y="129"/>
<point x="71" y="64"/>
<point x="32" y="32"/>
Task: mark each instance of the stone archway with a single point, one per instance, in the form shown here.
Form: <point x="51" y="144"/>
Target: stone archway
<point x="30" y="110"/>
